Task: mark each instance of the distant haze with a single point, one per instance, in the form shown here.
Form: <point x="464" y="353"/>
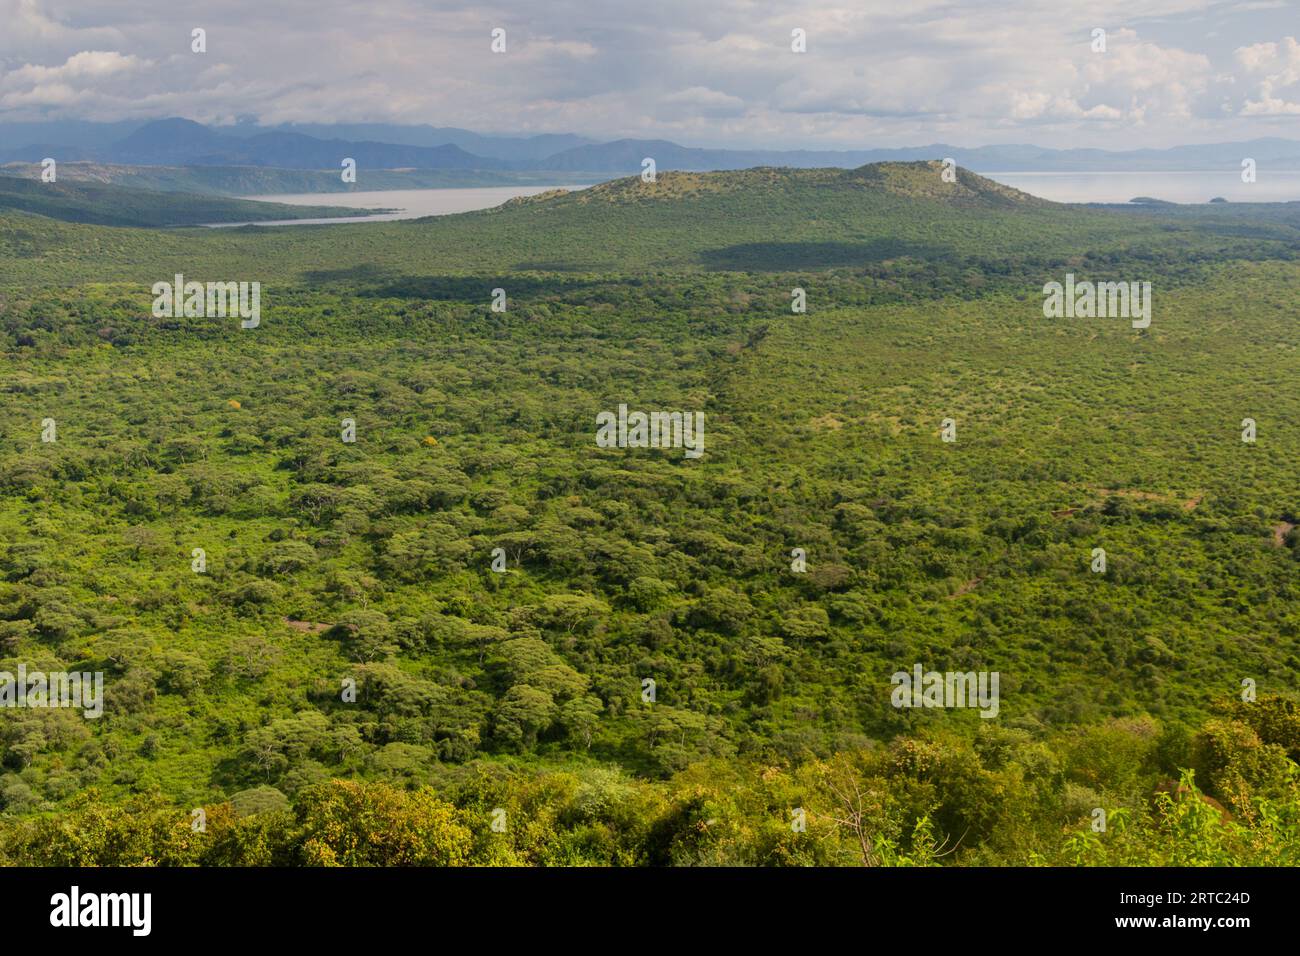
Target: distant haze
<point x="179" y="142"/>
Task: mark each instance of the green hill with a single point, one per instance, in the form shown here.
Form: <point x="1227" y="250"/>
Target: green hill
<point x="110" y="205"/>
<point x="916" y="180"/>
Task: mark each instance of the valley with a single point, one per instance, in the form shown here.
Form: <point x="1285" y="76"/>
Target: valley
<point x="499" y="584"/>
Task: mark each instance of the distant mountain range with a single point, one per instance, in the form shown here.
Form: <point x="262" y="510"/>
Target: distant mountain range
<point x="492" y="147"/>
<point x="380" y="146"/>
<point x="182" y="142"/>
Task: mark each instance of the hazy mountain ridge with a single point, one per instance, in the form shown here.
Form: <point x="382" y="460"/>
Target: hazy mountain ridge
<point x="184" y="142"/>
<point x="378" y="146"/>
<point x="479" y="144"/>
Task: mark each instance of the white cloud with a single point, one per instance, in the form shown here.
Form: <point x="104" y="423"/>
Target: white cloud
<point x="1272" y="68"/>
<point x="85" y="75"/>
<point x="30" y="31"/>
<point x="877" y="72"/>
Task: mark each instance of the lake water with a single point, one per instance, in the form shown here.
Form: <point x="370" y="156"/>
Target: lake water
<point x="1181" y="187"/>
<point x="409" y="203"/>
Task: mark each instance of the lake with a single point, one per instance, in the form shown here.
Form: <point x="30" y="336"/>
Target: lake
<point x="1181" y="187"/>
<point x="409" y="203"/>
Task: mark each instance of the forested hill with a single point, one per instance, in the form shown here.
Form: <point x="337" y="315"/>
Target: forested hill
<point x="109" y="205"/>
<point x="918" y="180"/>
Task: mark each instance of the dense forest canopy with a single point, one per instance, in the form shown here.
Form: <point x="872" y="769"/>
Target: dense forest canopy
<point x="329" y="563"/>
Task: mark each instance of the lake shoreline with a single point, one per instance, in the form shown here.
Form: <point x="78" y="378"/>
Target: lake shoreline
<point x="397" y="204"/>
<point x="1180" y="187"/>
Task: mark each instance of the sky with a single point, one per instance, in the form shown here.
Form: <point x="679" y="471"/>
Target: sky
<point x="717" y="73"/>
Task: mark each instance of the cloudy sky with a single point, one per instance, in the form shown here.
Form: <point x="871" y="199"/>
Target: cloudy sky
<point x="701" y="72"/>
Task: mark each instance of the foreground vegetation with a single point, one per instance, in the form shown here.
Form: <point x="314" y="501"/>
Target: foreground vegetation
<point x="999" y="798"/>
<point x="372" y="561"/>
